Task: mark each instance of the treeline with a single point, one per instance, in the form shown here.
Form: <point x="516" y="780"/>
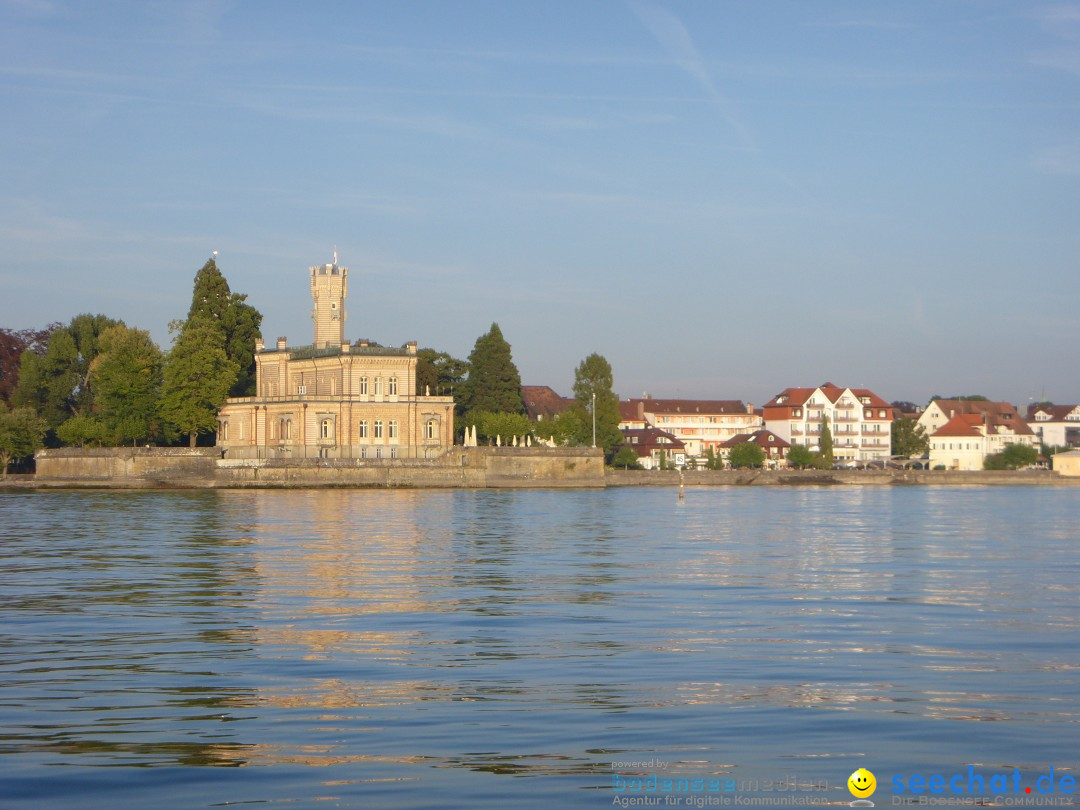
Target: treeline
<point x="96" y="381"/>
<point x="487" y="395"/>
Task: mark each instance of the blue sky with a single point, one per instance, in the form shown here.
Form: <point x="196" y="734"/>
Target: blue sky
<point x="723" y="198"/>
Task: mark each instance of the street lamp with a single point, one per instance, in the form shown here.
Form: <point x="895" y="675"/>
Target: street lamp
<point x="594" y="419"/>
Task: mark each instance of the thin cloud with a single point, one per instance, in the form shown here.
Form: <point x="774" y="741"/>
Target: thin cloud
<point x="676" y="40"/>
<point x="1061" y="161"/>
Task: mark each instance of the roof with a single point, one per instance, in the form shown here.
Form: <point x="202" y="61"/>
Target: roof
<point x="541" y="400"/>
<point x="309" y="352"/>
<point x="1057" y="413"/>
<point x="630" y="411"/>
<point x="962" y="425"/>
<point x="649" y="439"/>
<point x="799" y="396"/>
<point x="758" y="437"/>
<point x="996" y="415"/>
<point x="687" y="406"/>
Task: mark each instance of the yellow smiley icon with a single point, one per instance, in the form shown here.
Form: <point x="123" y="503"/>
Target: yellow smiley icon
<point x="862" y="783"/>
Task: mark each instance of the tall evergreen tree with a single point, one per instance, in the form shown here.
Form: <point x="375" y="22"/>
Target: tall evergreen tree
<point x="239" y="323"/>
<point x="594" y="376"/>
<point x="493" y="384"/>
<point x="126" y="376"/>
<point x="825" y="444"/>
<point x="196" y="378"/>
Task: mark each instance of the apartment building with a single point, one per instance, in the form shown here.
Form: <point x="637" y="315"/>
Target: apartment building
<point x="699" y="424"/>
<point x="860" y="421"/>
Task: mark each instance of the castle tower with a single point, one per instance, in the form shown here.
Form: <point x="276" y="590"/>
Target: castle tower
<point x="329" y="286"/>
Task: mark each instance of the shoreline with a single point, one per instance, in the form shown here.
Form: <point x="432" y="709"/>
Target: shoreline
<point x="399" y="478"/>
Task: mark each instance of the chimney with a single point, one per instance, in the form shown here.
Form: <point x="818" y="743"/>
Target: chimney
<point x="282" y="342"/>
<point x="749" y="407"/>
<point x="641" y="410"/>
<point x="410" y="347"/>
<point x="345" y="346"/>
<point x="259" y="345"/>
<point x="952" y="413"/>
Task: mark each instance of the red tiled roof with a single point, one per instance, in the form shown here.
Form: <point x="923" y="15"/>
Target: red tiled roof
<point x="648" y="439"/>
<point x="628" y="411"/>
<point x="1057" y="413"/>
<point x="798" y="396"/>
<point x="758" y="437"/>
<point x="995" y="414"/>
<point x="540" y="400"/>
<point x="690" y="406"/>
<point x="963" y="424"/>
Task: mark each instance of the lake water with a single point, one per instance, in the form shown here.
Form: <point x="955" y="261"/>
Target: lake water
<point x="428" y="649"/>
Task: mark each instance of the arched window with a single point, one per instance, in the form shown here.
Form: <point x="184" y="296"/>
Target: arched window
<point x="378" y="428"/>
<point x="363" y="386"/>
<point x="223" y="431"/>
<point x="326" y="429"/>
<point x="393" y="428"/>
<point x="392" y="387"/>
<point x="378" y="386"/>
<point x="363" y="429"/>
<point x="429" y="429"/>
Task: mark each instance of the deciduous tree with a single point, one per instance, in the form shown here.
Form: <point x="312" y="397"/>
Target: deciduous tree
<point x="746" y="454"/>
<point x="126" y="376"/>
<point x="626" y="458"/>
<point x="196" y="378"/>
<point x="56" y="383"/>
<point x="909" y="438"/>
<point x="507" y="425"/>
<point x="21" y="433"/>
<point x="594" y="376"/>
<point x="801" y="457"/>
<point x="82" y="431"/>
<point x="12" y="345"/>
<point x="1012" y="457"/>
<point x="438" y="372"/>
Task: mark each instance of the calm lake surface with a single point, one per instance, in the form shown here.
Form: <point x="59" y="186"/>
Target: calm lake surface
<point x="426" y="649"/>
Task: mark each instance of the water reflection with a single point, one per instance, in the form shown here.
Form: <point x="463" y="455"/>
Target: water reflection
<point x="393" y="639"/>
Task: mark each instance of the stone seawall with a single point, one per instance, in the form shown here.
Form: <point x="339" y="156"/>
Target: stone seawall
<point x="729" y="478"/>
<point x="472" y="467"/>
<point x="127" y="466"/>
<point x="204" y="467"/>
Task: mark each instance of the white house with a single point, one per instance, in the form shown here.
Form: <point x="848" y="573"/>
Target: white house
<point x="964" y="432"/>
<point x="1055" y="425"/>
<point x="860" y="421"/>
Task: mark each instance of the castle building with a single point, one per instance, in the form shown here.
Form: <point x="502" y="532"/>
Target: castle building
<point x="335" y="399"/>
